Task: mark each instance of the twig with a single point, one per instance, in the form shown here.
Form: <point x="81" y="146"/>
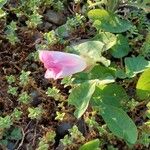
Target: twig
<point x="33" y="140"/>
<point x="22" y="140"/>
<point x="24" y="134"/>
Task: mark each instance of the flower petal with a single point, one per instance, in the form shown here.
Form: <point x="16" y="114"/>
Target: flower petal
<point x="46" y="58"/>
<point x="67" y="71"/>
<point x="49" y="74"/>
<point x="52" y="73"/>
<point x="61" y="64"/>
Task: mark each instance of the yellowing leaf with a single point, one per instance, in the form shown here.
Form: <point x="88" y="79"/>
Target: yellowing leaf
<point x="143" y="85"/>
<point x="91" y="145"/>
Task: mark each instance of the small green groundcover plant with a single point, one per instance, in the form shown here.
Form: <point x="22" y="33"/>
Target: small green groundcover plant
<point x="114" y="64"/>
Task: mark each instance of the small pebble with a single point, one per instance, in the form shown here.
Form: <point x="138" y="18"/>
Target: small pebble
<point x="35" y="99"/>
<point x="55" y="17"/>
<point x="10" y="146"/>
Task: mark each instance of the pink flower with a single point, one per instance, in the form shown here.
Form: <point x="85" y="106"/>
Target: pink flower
<point x="61" y="64"/>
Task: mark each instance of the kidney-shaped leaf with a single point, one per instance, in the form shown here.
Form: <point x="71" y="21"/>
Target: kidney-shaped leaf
<point x="135" y="65"/>
<point x="80" y="97"/>
<point x="111" y="94"/>
<point x="121" y="48"/>
<point x="143" y="85"/>
<point x="108" y="22"/>
<point x="119" y="123"/>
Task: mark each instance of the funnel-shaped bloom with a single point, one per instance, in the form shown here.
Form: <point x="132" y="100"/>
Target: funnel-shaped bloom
<point x="60" y="64"/>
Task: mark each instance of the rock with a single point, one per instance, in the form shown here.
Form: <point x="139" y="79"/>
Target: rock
<point x="35" y="99"/>
<point x="55" y="17"/>
<point x="34" y="66"/>
<point x="62" y="129"/>
<point x="48" y="26"/>
<point x="10" y="146"/>
<point x="34" y="94"/>
<point x="45" y="26"/>
<point x="35" y="102"/>
<point x="81" y="126"/>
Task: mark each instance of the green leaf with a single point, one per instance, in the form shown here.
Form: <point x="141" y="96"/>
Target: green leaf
<point x="62" y="31"/>
<point x="4" y="142"/>
<point x="101" y="74"/>
<point x="2" y="3"/>
<point x="111" y="94"/>
<point x="135" y="65"/>
<point x="120" y="73"/>
<point x="34" y="20"/>
<point x="99" y="14"/>
<point x="80" y="97"/>
<point x="119" y="123"/>
<point x="5" y="122"/>
<point x="112" y="5"/>
<point x="144" y="4"/>
<point x="16" y="134"/>
<point x="108" y="22"/>
<point x="121" y="48"/>
<point x="2" y="13"/>
<point x="145" y="49"/>
<point x="92" y="50"/>
<point x="143" y="85"/>
<point x="91" y="145"/>
<point x="107" y="38"/>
